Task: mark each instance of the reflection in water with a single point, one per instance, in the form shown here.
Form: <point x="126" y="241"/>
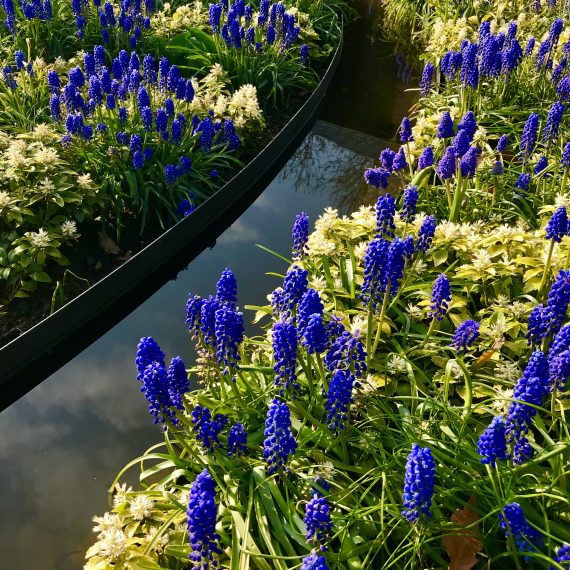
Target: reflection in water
<point x="312" y="172"/>
<point x="76" y="430"/>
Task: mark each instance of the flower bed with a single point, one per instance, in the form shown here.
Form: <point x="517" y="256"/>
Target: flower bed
<point x="404" y="404"/>
<point x="112" y="143"/>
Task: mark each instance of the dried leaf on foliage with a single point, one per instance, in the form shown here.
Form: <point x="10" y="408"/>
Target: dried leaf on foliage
<point x="462" y="544"/>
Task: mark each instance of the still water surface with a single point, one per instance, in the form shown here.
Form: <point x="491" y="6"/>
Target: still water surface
<point x="63" y="443"/>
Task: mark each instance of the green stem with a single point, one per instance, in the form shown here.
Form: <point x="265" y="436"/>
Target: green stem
<point x="382" y="316"/>
<point x="546" y="268"/>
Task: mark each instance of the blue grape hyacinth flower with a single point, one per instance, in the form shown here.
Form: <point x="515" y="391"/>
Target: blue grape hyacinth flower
<point x="418" y="484"/>
<point x="492" y="444"/>
<point x="201" y="518"/>
<point x="279" y="442"/>
<point x="465" y="335"/>
<point x="513" y="523"/>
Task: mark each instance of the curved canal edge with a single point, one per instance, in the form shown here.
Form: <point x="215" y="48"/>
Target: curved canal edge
<point x="36" y="354"/>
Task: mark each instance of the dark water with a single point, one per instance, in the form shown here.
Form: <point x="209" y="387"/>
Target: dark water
<point x="63" y="443"/>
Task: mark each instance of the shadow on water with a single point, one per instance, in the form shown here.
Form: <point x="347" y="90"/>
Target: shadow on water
<point x="63" y="443"/>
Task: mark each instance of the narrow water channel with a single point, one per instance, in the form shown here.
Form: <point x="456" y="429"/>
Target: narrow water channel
<point x="63" y="443"/>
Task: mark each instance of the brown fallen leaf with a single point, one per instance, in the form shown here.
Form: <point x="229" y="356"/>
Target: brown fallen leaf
<point x="462" y="544"/>
<point x="108" y="245"/>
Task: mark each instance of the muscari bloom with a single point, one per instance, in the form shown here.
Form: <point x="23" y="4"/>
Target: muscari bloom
<point x="557" y="226"/>
<point x="513" y="522"/>
<point x="418" y="484"/>
<point x="279" y="442"/>
<point x="148" y="352"/>
<point x="563" y="88"/>
<point x="408" y="212"/>
<point x="558" y="300"/>
<point x="468" y="124"/>
<point x="531" y="388"/>
<point x="530" y="133"/>
<point x="284" y="339"/>
<point x="226" y="287"/>
<point x="465" y="334"/>
<point x="314" y="561"/>
<point x="387" y="158"/>
<point x="399" y="162"/>
<point x="300" y="235"/>
<point x="155" y="387"/>
<point x="523" y="182"/>
<point x="447" y="165"/>
<point x="468" y="162"/>
<point x="537" y="325"/>
<point x="427" y="76"/>
<point x="377" y="177"/>
<point x="461" y="143"/>
<point x="237" y="440"/>
<point x="426" y="233"/>
<point x="317" y="519"/>
<point x="346" y="353"/>
<point x="503" y="143"/>
<point x="339" y="398"/>
<point x="559" y="370"/>
<point x="201" y="518"/>
<point x="229" y="331"/>
<point x="385" y="210"/>
<point x="309" y="305"/>
<point x="492" y="444"/>
<point x="563" y="556"/>
<point x="315" y="336"/>
<point x="440" y="297"/>
<point x="426" y="158"/>
<point x="553" y="122"/>
<point x="295" y="285"/>
<point x="178" y="383"/>
<point x="206" y="428"/>
<point x="406" y="131"/>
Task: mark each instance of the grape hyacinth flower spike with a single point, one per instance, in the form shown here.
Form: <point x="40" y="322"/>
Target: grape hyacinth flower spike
<point x="279" y="442"/>
<point x="300" y="236"/>
<point x="465" y="335"/>
<point x="201" y="517"/>
<point x="440" y="297"/>
<point x="317" y="520"/>
<point x="492" y="444"/>
<point x="418" y="484"/>
<point x="514" y="524"/>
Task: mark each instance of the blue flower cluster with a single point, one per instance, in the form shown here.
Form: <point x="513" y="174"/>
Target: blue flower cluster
<point x="418" y="484"/>
<point x="531" y="388"/>
<point x="300" y="236"/>
<point x="513" y="523"/>
<point x="162" y="387"/>
<point x="310" y="304"/>
<point x="339" y="398"/>
<point x="275" y="27"/>
<point x="295" y="284"/>
<point x="40" y="9"/>
<point x="440" y="297"/>
<point x="557" y="226"/>
<point x="385" y="211"/>
<point x="383" y="265"/>
<point x="201" y="518"/>
<point x="346" y="353"/>
<point x="206" y="428"/>
<point x="106" y="92"/>
<point x="465" y="335"/>
<point x="317" y="519"/>
<point x="314" y="561"/>
<point x="217" y="323"/>
<point x="408" y="212"/>
<point x="133" y="16"/>
<point x="279" y="442"/>
<point x="237" y="440"/>
<point x="492" y="445"/>
<point x="284" y="339"/>
<point x="563" y="556"/>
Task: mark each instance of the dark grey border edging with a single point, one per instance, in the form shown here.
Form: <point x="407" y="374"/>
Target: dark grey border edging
<point x="32" y="357"/>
